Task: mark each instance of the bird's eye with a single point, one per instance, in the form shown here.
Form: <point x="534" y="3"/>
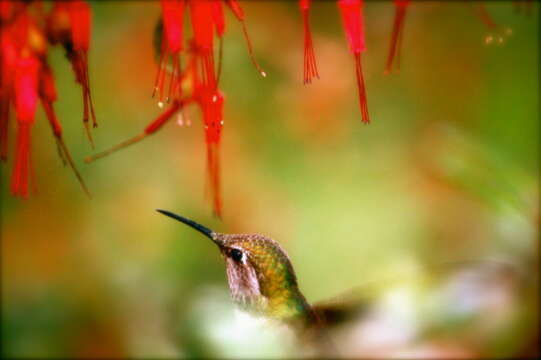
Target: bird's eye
<point x="236" y="255"/>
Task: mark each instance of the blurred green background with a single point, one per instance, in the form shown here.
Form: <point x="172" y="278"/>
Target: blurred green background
<point x="448" y="170"/>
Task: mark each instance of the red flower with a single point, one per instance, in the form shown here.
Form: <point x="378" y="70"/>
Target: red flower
<point x="396" y="36"/>
<point x="199" y="75"/>
<point x="352" y="17"/>
<point x="207" y="21"/>
<point x="310" y="65"/>
<point x="26" y="96"/>
<point x="26" y="76"/>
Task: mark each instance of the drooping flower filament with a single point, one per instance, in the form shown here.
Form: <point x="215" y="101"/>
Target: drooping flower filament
<point x="203" y="33"/>
<point x="310" y="65"/>
<point x="239" y="14"/>
<point x="154" y="126"/>
<point x="396" y="35"/>
<point x="69" y="23"/>
<point x="171" y="45"/>
<point x="80" y="19"/>
<point x="48" y="95"/>
<point x="352" y="18"/>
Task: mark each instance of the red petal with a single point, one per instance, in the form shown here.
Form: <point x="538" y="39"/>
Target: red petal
<point x="218" y="17"/>
<point x="26" y="89"/>
<point x="173" y="13"/>
<point x="351" y="11"/>
<point x="80" y="15"/>
<point x="202" y="24"/>
<point x="212" y="106"/>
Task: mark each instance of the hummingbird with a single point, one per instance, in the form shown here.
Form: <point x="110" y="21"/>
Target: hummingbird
<point x="260" y="275"/>
<point x="262" y="281"/>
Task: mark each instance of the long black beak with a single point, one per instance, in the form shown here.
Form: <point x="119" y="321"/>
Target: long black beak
<point x="203" y="230"/>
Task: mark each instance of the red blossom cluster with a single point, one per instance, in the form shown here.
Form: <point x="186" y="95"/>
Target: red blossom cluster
<point x="189" y="73"/>
<point x="197" y="81"/>
<point x="351" y="12"/>
<point x="26" y="31"/>
<point x="189" y="70"/>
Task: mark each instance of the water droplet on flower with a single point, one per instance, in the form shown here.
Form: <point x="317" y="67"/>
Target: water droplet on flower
<point x="160" y="104"/>
<point x="214" y="98"/>
<point x="264" y="74"/>
<point x="221" y="122"/>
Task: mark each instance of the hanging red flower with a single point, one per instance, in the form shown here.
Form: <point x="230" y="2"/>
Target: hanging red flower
<point x="310" y="64"/>
<point x="352" y="17"/>
<point x="26" y="96"/>
<point x="199" y="77"/>
<point x="27" y="77"/>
